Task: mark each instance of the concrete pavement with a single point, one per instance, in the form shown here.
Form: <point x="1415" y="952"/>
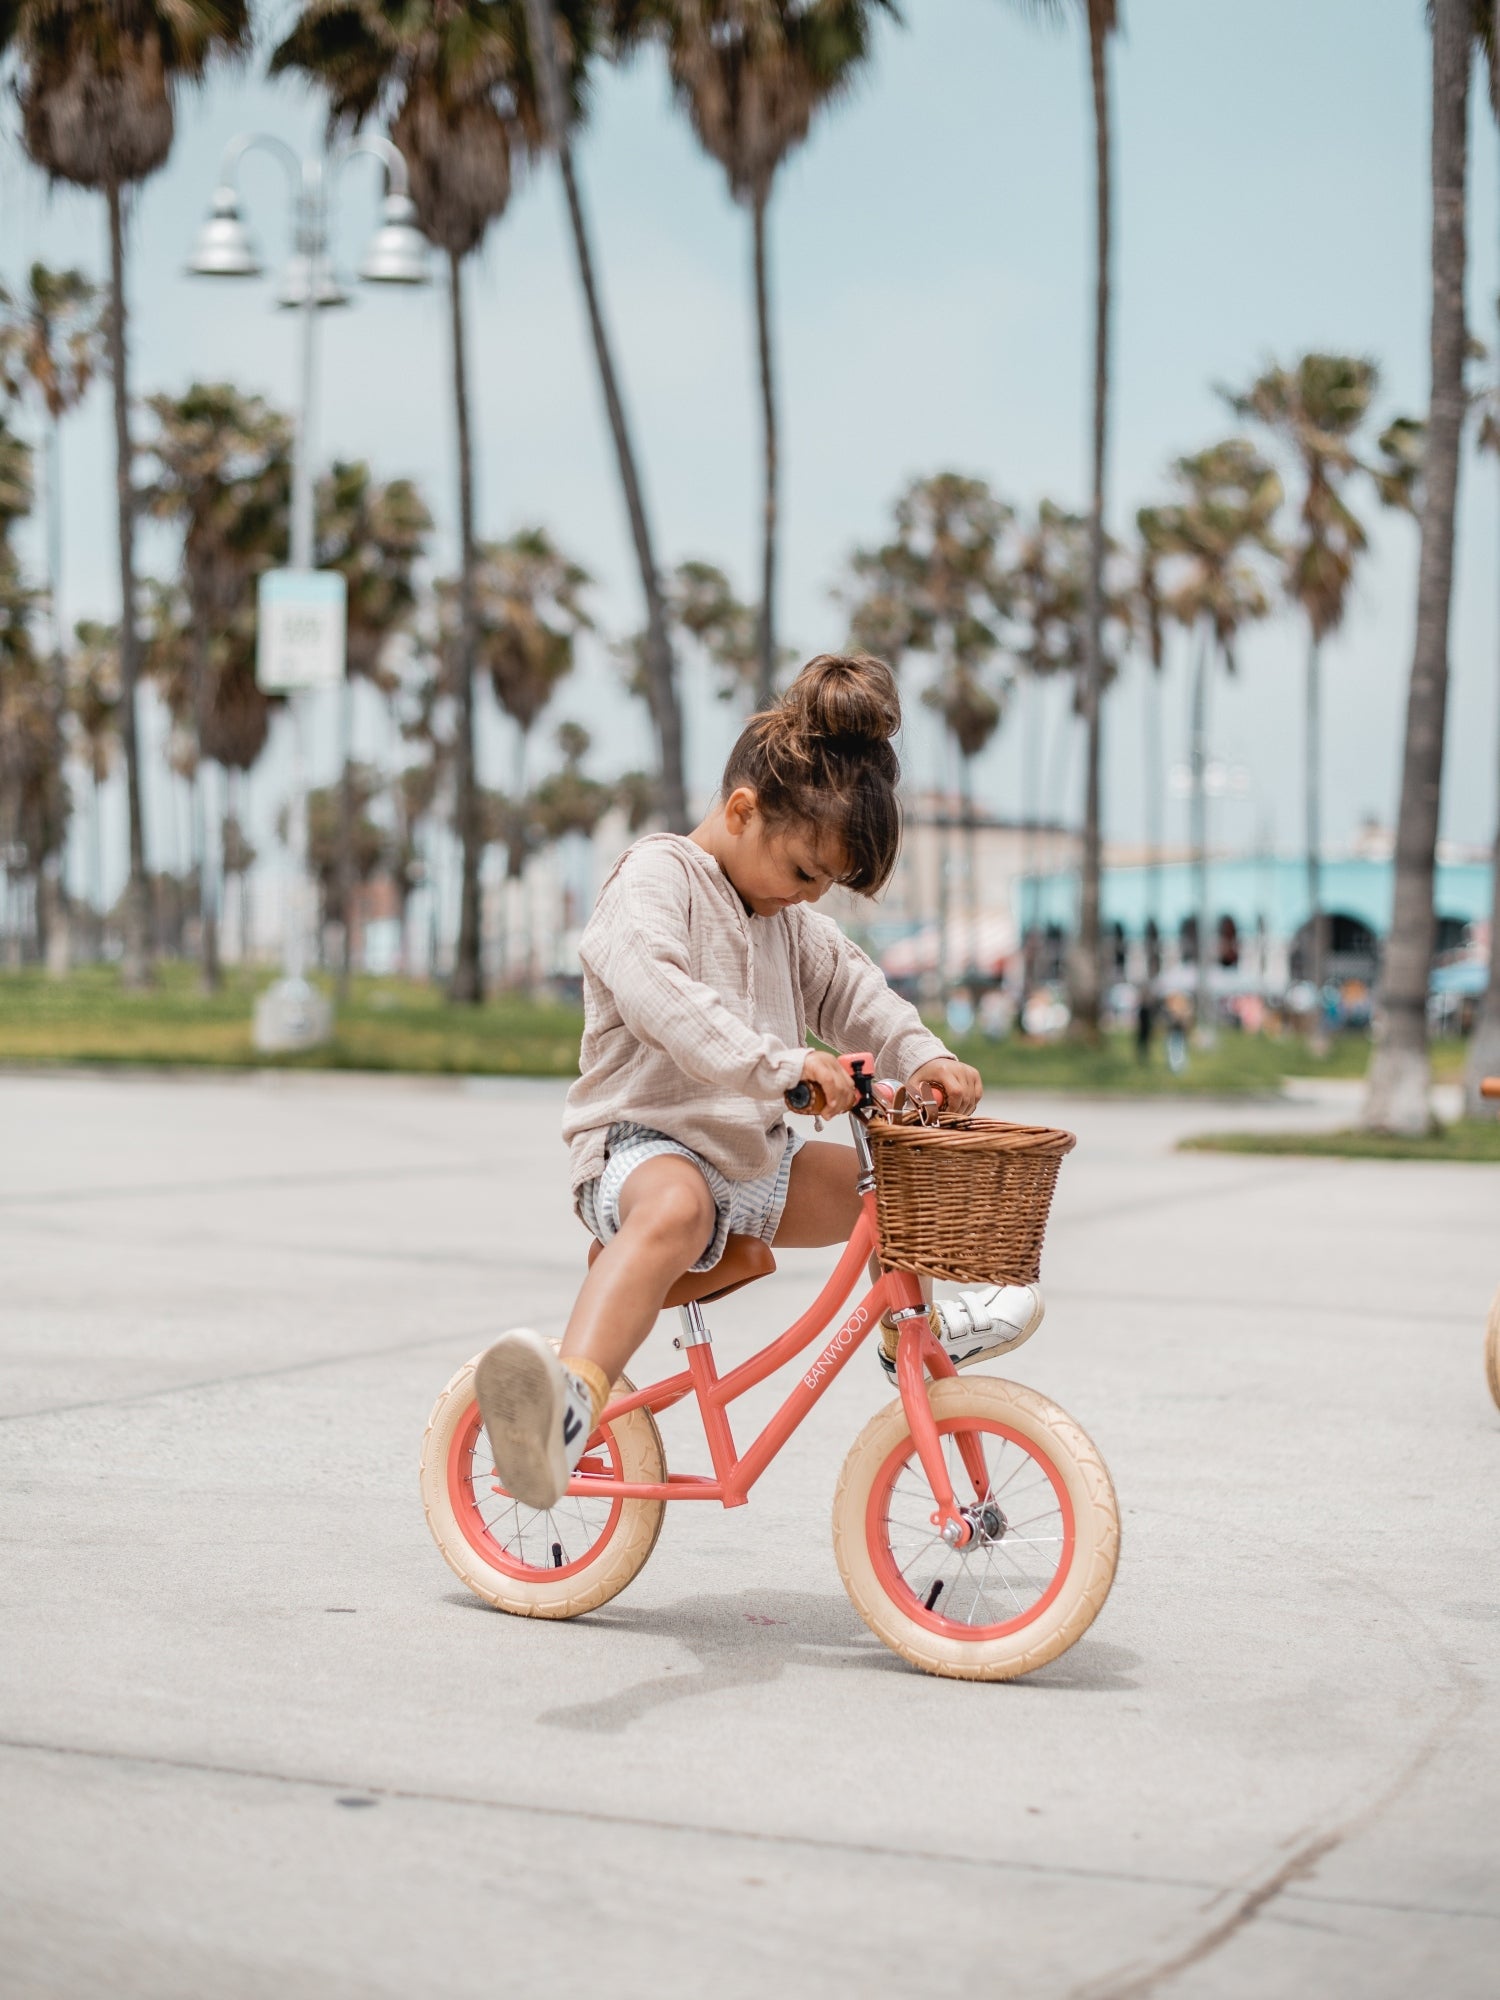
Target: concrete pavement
<point x="255" y="1741"/>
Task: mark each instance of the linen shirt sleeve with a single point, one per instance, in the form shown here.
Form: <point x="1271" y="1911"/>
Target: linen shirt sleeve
<point x="850" y="1006"/>
<point x="641" y="954"/>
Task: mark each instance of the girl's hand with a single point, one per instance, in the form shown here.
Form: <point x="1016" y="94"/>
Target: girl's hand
<point x="833" y="1080"/>
<point x="961" y="1086"/>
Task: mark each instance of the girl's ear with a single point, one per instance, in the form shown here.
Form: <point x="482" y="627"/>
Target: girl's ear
<point x="740" y="809"/>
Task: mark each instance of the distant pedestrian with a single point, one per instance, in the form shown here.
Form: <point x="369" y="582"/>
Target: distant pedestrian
<point x="1177" y="1044"/>
<point x="1145" y="1023"/>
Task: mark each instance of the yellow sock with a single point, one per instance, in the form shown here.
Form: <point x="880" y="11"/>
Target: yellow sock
<point x="594" y="1379"/>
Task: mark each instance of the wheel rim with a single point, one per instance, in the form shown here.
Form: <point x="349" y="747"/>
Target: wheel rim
<point x="1023" y="1545"/>
<point x="523" y="1541"/>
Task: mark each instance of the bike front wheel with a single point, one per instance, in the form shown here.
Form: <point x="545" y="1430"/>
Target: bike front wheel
<point x="552" y="1563"/>
<point x="1046" y="1533"/>
<point x="1492" y="1348"/>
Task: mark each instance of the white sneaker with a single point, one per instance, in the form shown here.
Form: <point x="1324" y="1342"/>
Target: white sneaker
<point x="536" y="1413"/>
<point x="976" y="1326"/>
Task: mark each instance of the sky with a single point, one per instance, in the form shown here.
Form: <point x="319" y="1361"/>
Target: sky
<point x="932" y="255"/>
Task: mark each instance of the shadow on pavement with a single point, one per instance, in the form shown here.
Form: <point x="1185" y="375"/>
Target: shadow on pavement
<point x="746" y="1638"/>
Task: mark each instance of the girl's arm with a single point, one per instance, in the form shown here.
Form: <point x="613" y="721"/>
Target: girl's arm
<point x="639" y="951"/>
<point x="850" y="1006"/>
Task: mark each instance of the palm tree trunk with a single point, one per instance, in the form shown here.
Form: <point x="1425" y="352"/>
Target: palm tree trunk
<point x="53" y="914"/>
<point x="346" y="833"/>
<point x="1484" y="1044"/>
<point x="466" y="984"/>
<point x="661" y="677"/>
<point x="1396" y="1098"/>
<point x="1084" y="999"/>
<point x="1153" y="761"/>
<point x="765" y="625"/>
<point x="209" y="974"/>
<point x="135" y="965"/>
<point x="96" y="866"/>
<point x="661" y="671"/>
<point x="1317" y="953"/>
<point x="971" y="864"/>
<point x="1199" y="762"/>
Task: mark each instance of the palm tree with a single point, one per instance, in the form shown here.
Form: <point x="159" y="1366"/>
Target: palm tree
<point x="1148" y="625"/>
<point x="49" y="349"/>
<point x="364" y="847"/>
<point x="1484" y="1044"/>
<point x="1101" y="20"/>
<point x="1396" y="1091"/>
<point x="94" y="703"/>
<point x="529" y="599"/>
<point x="569" y="803"/>
<point x="1047" y="573"/>
<point x="547" y="26"/>
<point x="374" y="534"/>
<point x="1315" y="408"/>
<point x="1231" y="498"/>
<point x="455" y="81"/>
<point x="940" y="587"/>
<point x="221" y="472"/>
<point x="29" y="746"/>
<point x="704" y="612"/>
<point x="96" y="81"/>
<point x="752" y="75"/>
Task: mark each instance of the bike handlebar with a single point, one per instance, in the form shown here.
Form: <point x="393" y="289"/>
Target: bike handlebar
<point x="810" y="1099"/>
<point x="1490" y="1087"/>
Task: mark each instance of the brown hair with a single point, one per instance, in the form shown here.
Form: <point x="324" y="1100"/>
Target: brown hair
<point x="823" y="756"/>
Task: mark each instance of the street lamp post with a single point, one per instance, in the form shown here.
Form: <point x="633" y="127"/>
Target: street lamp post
<point x="292" y="1014"/>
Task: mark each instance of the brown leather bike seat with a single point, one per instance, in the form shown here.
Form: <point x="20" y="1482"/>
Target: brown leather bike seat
<point x="745" y="1259"/>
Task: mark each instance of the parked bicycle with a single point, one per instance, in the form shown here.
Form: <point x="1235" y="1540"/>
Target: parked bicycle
<point x="974" y="1523"/>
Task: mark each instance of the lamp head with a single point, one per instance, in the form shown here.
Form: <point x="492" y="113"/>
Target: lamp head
<point x="398" y="250"/>
<point x="327" y="291"/>
<point x="224" y="248"/>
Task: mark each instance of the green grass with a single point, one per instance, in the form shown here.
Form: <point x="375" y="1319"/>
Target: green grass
<point x="392" y="1024"/>
<point x="1470" y="1139"/>
<point x="387" y="1024"/>
<point x="1236" y="1066"/>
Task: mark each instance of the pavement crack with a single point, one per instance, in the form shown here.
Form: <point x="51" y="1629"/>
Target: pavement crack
<point x="1301" y="1863"/>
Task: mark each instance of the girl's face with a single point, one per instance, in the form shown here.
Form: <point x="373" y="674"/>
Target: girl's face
<point x="773" y="866"/>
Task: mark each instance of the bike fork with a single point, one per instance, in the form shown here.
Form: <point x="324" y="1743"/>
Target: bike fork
<point x="916" y="1352"/>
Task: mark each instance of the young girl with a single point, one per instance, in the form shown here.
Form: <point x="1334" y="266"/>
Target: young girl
<point x="704" y="969"/>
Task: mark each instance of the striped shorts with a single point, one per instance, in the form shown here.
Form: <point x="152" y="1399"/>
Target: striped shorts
<point x="745" y="1208"/>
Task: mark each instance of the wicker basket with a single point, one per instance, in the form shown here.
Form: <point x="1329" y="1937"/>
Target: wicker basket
<point x="965" y="1200"/>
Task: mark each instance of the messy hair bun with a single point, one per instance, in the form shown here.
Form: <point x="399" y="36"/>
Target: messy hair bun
<point x="822" y="756"/>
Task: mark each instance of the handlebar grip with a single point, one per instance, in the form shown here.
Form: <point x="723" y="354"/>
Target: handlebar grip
<point x="806" y="1097"/>
<point x="1490" y="1087"/>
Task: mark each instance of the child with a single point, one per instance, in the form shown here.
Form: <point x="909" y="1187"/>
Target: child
<point x="704" y="968"/>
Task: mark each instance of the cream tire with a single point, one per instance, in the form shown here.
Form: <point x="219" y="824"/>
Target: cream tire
<point x="1079" y="1582"/>
<point x="1492" y="1348"/>
<point x="495" y="1565"/>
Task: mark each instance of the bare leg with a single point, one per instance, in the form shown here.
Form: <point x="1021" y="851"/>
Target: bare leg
<point x="667" y="1218"/>
<point x="822" y="1202"/>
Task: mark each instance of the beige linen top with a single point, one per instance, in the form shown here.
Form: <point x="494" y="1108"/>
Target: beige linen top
<point x="696" y="1013"/>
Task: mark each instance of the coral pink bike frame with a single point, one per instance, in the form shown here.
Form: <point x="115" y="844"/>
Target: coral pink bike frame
<point x="734" y="1473"/>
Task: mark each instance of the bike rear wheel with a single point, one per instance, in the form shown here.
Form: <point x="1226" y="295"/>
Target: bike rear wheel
<point x="1492" y="1348"/>
<point x="551" y="1563"/>
<point x="1046" y="1533"/>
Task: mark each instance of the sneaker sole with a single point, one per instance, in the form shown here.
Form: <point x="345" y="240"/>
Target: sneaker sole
<point x="520" y="1391"/>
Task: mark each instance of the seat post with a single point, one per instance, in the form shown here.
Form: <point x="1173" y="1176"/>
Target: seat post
<point x="695" y="1331"/>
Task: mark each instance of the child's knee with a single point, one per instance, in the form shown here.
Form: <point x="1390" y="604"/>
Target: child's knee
<point x="675" y="1217"/>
